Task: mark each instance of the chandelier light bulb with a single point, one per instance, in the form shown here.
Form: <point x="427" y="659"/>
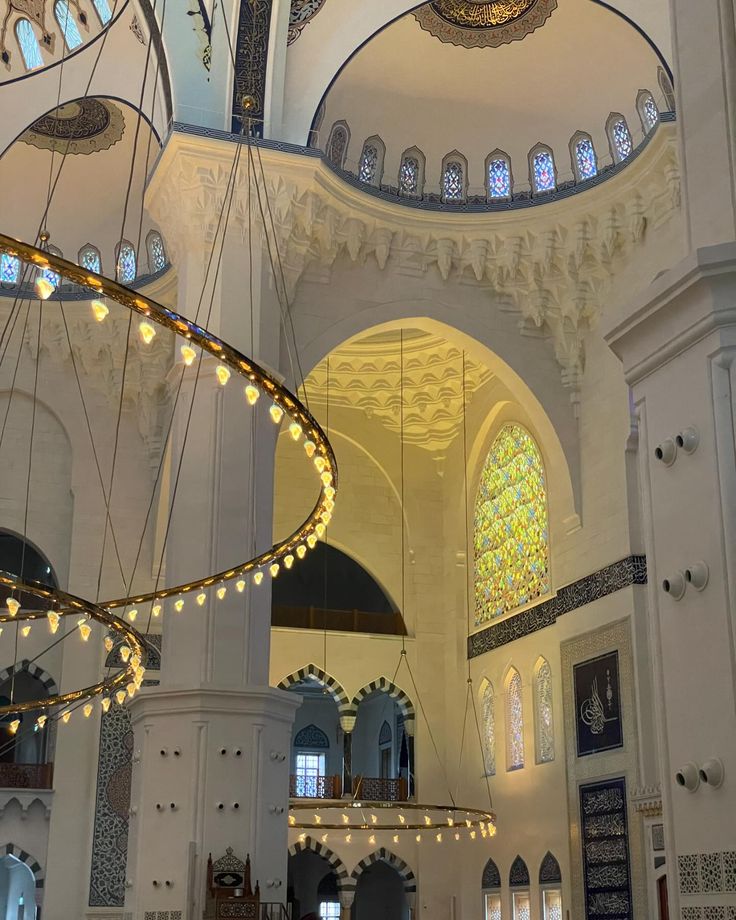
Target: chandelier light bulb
<point x="472" y="835"/>
<point x="320" y="529"/>
<point x="221" y="592"/>
<point x="402" y="819"/>
<point x="223" y="374"/>
<point x="348" y="838"/>
<point x="396" y="838"/>
<point x="53" y="618"/>
<point x="201" y="598"/>
<point x="88" y="710"/>
<point x="320" y="463"/>
<point x="132" y="614"/>
<point x="289" y="561"/>
<point x="274" y="570"/>
<point x="251" y="394"/>
<point x="240" y="586"/>
<point x="85" y="631"/>
<point x="179" y="605"/>
<point x="329" y="492"/>
<point x="277" y="413"/>
<point x="44" y="287"/>
<point x="13" y="606"/>
<point x="120" y="696"/>
<point x="418" y="838"/>
<point x="41" y="721"/>
<point x="324" y="838"/>
<point x="372" y="840"/>
<point x="311" y="541"/>
<point x="292" y="819"/>
<point x="188" y="354"/>
<point x="427" y="819"/>
<point x="125" y="653"/>
<point x="105" y="702"/>
<point x="346" y="819"/>
<point x="326" y="517"/>
<point x="131" y="688"/>
<point x="99" y="310"/>
<point x="65" y="716"/>
<point x="14" y="726"/>
<point x="26" y="631"/>
<point x="295" y="430"/>
<point x="301" y="551"/>
<point x="310" y="447"/>
<point x="374" y="819"/>
<point x="326" y="477"/>
<point x="108" y="643"/>
<point x="317" y="819"/>
<point x="156" y="610"/>
<point x="147" y="331"/>
<point x="302" y="838"/>
<point x="457" y="836"/>
<point x="257" y="578"/>
<point x="439" y="838"/>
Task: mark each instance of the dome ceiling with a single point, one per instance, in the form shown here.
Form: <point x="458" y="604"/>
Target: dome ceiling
<point x="483" y="23"/>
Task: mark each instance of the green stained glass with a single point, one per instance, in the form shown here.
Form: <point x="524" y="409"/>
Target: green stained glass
<point x="510" y="538"/>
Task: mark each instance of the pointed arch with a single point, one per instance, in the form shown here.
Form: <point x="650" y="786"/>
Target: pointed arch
<point x="549" y="871"/>
<point x="454" y="178"/>
<point x="126" y="262"/>
<point x="491" y="877"/>
<point x="666" y="88"/>
<point x="542" y="169"/>
<point x="345" y="881"/>
<point x="311" y="736"/>
<point x="648" y="110"/>
<point x="488" y="726"/>
<point x="313" y="673"/>
<point x="156" y="252"/>
<point x="370" y="168"/>
<point x="10" y="849"/>
<point x="384" y="855"/>
<point x="28" y="43"/>
<point x="619" y="137"/>
<point x="89" y="257"/>
<point x="518" y="874"/>
<point x="411" y="173"/>
<point x="337" y="144"/>
<point x="33" y="669"/>
<point x="499" y="177"/>
<point x="67" y="24"/>
<point x="544" y="729"/>
<point x="384" y="685"/>
<point x="583" y="156"/>
<point x="514" y="720"/>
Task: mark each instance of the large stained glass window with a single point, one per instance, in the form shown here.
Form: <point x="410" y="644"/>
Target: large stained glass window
<point x="368" y="164"/>
<point x="510" y="538"/>
<point x="489" y="731"/>
<point x="543" y="712"/>
<point x="499" y="178"/>
<point x="337" y="146"/>
<point x="89" y="258"/>
<point x="103" y="11"/>
<point x="9" y="269"/>
<point x="409" y="176"/>
<point x="621" y="137"/>
<point x="28" y="43"/>
<point x="67" y="24"/>
<point x="514" y="721"/>
<point x="453" y="182"/>
<point x="127" y="269"/>
<point x="586" y="161"/>
<point x="543" y="171"/>
<point x="156" y="252"/>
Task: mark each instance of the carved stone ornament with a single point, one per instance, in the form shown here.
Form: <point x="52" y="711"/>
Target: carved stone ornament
<point x="483" y="23"/>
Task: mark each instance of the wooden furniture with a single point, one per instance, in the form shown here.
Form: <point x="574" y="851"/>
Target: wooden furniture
<point x="230" y="894"/>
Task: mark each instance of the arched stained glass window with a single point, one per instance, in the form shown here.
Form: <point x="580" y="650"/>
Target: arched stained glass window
<point x="48" y="273"/>
<point x="453" y="181"/>
<point x="648" y="111"/>
<point x="126" y="263"/>
<point x="620" y="138"/>
<point x="510" y="539"/>
<point x="337" y="145"/>
<point x="409" y="176"/>
<point x="368" y="163"/>
<point x="543" y="171"/>
<point x="488" y="716"/>
<point x="103" y="11"/>
<point x="67" y="24"/>
<point x="499" y="177"/>
<point x="586" y="162"/>
<point x="9" y="269"/>
<point x="156" y="252"/>
<point x="514" y="721"/>
<point x="28" y="43"/>
<point x="89" y="258"/>
<point x="543" y="712"/>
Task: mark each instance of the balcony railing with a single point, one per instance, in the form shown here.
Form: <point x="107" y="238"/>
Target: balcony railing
<point x="315" y="787"/>
<point x="26" y="775"/>
<point x="375" y="789"/>
<point x="384" y="624"/>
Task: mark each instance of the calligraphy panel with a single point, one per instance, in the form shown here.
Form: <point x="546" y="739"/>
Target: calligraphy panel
<point x="598" y="705"/>
<point x="606" y="868"/>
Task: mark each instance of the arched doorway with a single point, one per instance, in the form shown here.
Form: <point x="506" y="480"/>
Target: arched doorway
<point x="17" y="890"/>
<point x="313" y="886"/>
<point x="380" y="893"/>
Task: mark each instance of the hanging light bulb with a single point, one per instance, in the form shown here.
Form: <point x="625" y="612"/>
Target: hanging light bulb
<point x="320" y="529"/>
<point x="188" y="354"/>
<point x="301" y="551"/>
<point x="457" y="836"/>
<point x="120" y="696"/>
<point x="472" y="835"/>
<point x="147" y="332"/>
<point x="329" y="492"/>
<point x="402" y="819"/>
<point x="396" y="838"/>
<point x="292" y="819"/>
<point x="450" y="822"/>
<point x="418" y="838"/>
<point x="311" y="541"/>
<point x="326" y="477"/>
<point x="201" y="598"/>
<point x="14" y="726"/>
<point x="53" y="618"/>
<point x="223" y="374"/>
<point x="274" y="569"/>
<point x="13" y="606"/>
<point x="324" y="838"/>
<point x="85" y="630"/>
<point x="125" y="653"/>
<point x="99" y="309"/>
<point x="439" y="838"/>
<point x="374" y="819"/>
<point x="156" y="610"/>
<point x="105" y="702"/>
<point x="427" y="819"/>
<point x="41" y="721"/>
<point x="131" y="688"/>
<point x="318" y="819"/>
<point x="372" y="840"/>
<point x="87" y="710"/>
<point x="276" y="412"/>
<point x="310" y="447"/>
<point x="326" y="517"/>
<point x="240" y="586"/>
<point x="65" y="716"/>
<point x="348" y="838"/>
<point x="221" y="592"/>
<point x="329" y="505"/>
<point x="44" y="287"/>
<point x="251" y="394"/>
<point x="132" y="614"/>
<point x="26" y="631"/>
<point x="302" y="838"/>
<point x="289" y="561"/>
<point x="295" y="430"/>
<point x="257" y="577"/>
<point x="346" y="819"/>
<point x="179" y="605"/>
<point x="320" y="463"/>
<point x="108" y="643"/>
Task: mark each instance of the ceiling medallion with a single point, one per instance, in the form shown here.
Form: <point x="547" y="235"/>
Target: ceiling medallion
<point x="483" y="23"/>
<point x="83" y="126"/>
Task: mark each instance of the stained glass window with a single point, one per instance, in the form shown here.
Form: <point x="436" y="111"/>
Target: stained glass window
<point x="510" y="531"/>
<point x="585" y="159"/>
<point x="499" y="178"/>
<point x="543" y="171"/>
<point x="543" y="705"/>
<point x="409" y="176"/>
<point x="103" y="11"/>
<point x="493" y="907"/>
<point x="552" y="904"/>
<point x="126" y="271"/>
<point x="621" y="136"/>
<point x="650" y="113"/>
<point x="368" y="163"/>
<point x="156" y="252"/>
<point x="48" y="273"/>
<point x="337" y="145"/>
<point x="67" y="24"/>
<point x="89" y="258"/>
<point x="29" y="46"/>
<point x="453" y="184"/>
<point x="514" y="721"/>
<point x="9" y="269"/>
<point x="489" y="731"/>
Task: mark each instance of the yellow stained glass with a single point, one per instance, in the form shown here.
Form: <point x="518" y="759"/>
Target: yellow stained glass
<point x="510" y="536"/>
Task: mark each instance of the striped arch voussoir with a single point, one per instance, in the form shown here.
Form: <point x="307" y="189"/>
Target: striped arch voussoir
<point x="33" y="669"/>
<point x="312" y="672"/>
<point x="10" y="849"/>
<point x="345" y="881"/>
<point x="384" y="855"/>
<point x="384" y="685"/>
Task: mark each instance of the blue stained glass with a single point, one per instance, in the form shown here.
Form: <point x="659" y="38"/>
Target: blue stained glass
<point x="89" y="258"/>
<point x="585" y="158"/>
<point x="368" y="164"/>
<point x="651" y="113"/>
<point x="499" y="178"/>
<point x="103" y="11"/>
<point x="156" y="254"/>
<point x="622" y="139"/>
<point x="9" y="269"/>
<point x="29" y="46"/>
<point x="126" y="264"/>
<point x="452" y="181"/>
<point x="67" y="24"/>
<point x="409" y="176"/>
<point x="544" y="171"/>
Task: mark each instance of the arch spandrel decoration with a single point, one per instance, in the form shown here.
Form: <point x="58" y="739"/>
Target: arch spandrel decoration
<point x="518" y="874"/>
<point x="312" y="736"/>
<point x="549" y="871"/>
<point x="491" y="876"/>
<point x="510" y="534"/>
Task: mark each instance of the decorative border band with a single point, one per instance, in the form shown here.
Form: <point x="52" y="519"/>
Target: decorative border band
<point x="629" y="571"/>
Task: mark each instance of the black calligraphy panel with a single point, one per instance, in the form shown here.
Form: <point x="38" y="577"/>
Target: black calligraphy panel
<point x="598" y="721"/>
<point x="604" y="834"/>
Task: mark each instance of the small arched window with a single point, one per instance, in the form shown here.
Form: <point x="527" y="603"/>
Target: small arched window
<point x="28" y="43"/>
<point x="156" y="252"/>
<point x="543" y="722"/>
<point x="488" y="728"/>
<point x="491" y="886"/>
<point x="67" y="24"/>
<point x="665" y="85"/>
<point x="103" y="11"/>
<point x="370" y="169"/>
<point x="89" y="258"/>
<point x="619" y="137"/>
<point x="126" y="263"/>
<point x="454" y="171"/>
<point x="520" y="885"/>
<point x="648" y="111"/>
<point x="514" y="721"/>
<point x="49" y="274"/>
<point x="550" y="882"/>
<point x="498" y="175"/>
<point x="411" y="173"/>
<point x="542" y="170"/>
<point x="337" y="145"/>
<point x="9" y="269"/>
<point x="584" y="159"/>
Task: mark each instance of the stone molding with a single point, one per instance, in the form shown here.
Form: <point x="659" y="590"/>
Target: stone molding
<point x="552" y="264"/>
<point x="647" y="800"/>
<point x="25" y="798"/>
